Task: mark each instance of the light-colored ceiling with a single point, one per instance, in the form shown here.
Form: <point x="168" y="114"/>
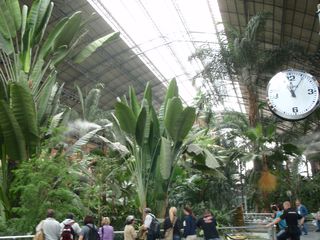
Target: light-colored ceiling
<point x="117" y="66"/>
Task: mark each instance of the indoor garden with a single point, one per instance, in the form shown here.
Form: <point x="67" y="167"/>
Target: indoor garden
<point x="71" y="143"/>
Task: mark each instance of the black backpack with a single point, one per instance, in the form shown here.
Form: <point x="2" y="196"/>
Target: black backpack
<point x="67" y="232"/>
<point x="155" y="226"/>
<point x="93" y="233"/>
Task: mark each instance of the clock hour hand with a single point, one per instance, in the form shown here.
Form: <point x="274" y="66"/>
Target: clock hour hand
<point x="290" y="87"/>
<point x="292" y="93"/>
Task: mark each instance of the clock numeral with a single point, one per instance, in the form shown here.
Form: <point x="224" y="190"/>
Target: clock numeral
<point x="310" y="91"/>
<point x="276" y="96"/>
<point x="295" y="109"/>
<point x="291" y="77"/>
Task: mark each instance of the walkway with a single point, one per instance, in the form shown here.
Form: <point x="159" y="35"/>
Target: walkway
<point x="311" y="236"/>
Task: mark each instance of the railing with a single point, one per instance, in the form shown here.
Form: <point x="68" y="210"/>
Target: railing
<point x="247" y="232"/>
<point x="227" y="232"/>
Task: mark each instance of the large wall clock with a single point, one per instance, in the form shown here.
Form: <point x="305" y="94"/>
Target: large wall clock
<point x="292" y="94"/>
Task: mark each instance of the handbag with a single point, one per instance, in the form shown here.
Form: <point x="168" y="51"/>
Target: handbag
<point x="168" y="235"/>
<point x="39" y="234"/>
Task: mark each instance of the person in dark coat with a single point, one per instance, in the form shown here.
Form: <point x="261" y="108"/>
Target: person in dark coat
<point x="291" y="216"/>
<point x="189" y="224"/>
<point x="208" y="224"/>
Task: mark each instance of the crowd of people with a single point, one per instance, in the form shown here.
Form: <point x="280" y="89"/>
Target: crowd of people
<point x="290" y="220"/>
<point x="69" y="229"/>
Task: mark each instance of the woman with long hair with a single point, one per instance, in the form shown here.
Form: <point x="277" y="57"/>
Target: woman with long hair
<point x="189" y="224"/>
<point x="172" y="225"/>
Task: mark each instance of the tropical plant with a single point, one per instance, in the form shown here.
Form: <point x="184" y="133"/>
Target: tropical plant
<point x="156" y="141"/>
<point x="44" y="182"/>
<point x="242" y="56"/>
<point x="29" y="94"/>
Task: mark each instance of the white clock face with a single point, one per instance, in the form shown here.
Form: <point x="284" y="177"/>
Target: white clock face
<point x="293" y="95"/>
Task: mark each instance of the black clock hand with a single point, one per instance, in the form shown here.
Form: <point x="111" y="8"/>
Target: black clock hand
<point x="290" y="87"/>
<point x="295" y="87"/>
<point x="292" y="93"/>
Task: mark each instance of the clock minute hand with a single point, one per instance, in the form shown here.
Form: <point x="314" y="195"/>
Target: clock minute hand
<point x="295" y="87"/>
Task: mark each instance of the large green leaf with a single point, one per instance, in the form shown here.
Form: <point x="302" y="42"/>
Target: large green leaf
<point x="148" y="93"/>
<point x="7" y="24"/>
<point x="23" y="108"/>
<point x="125" y="118"/>
<point x="185" y="123"/>
<point x="93" y="46"/>
<point x="36" y="18"/>
<point x="165" y="158"/>
<point x="141" y="124"/>
<point x="15" y="11"/>
<point x="23" y="25"/>
<point x="26" y="54"/>
<point x="12" y="134"/>
<point x="51" y="38"/>
<point x="211" y="161"/>
<point x="5" y="45"/>
<point x="154" y="136"/>
<point x="69" y="31"/>
<point x="43" y="97"/>
<point x="134" y="104"/>
<point x="172" y="115"/>
<point x="172" y="91"/>
<point x="42" y="27"/>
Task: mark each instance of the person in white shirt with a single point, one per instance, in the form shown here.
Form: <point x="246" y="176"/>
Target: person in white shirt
<point x="147" y="223"/>
<point x="50" y="227"/>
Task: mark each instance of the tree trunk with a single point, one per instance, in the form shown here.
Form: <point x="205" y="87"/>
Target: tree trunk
<point x="253" y="113"/>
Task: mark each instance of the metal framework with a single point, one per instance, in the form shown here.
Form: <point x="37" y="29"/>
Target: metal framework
<point x="117" y="65"/>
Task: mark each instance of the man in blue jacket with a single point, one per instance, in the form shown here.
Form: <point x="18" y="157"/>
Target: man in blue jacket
<point x="303" y="211"/>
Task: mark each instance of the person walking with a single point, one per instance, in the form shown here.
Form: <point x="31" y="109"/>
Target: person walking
<point x="189" y="224"/>
<point x="106" y="231"/>
<point x="50" y="227"/>
<point x="303" y="211"/>
<point x="129" y="231"/>
<point x="70" y="222"/>
<point x="282" y="225"/>
<point x="172" y="225"/>
<point x="291" y="216"/>
<point x="208" y="224"/>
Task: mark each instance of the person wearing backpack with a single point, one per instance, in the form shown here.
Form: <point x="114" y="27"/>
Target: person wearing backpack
<point x="106" y="231"/>
<point x="151" y="225"/>
<point x="70" y="229"/>
<point x="89" y="231"/>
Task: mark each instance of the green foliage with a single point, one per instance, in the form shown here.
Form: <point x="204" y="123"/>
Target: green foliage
<point x="42" y="183"/>
<point x="106" y="187"/>
<point x="155" y="140"/>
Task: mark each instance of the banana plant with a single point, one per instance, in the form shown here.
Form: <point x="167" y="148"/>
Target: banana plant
<point x="29" y="93"/>
<point x="155" y="140"/>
